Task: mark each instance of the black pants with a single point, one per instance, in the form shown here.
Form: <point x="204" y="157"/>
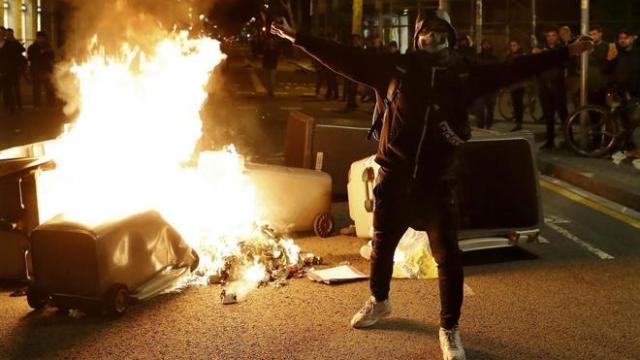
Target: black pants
<point x="42" y="80"/>
<point x="484" y="109"/>
<point x="351" y="91"/>
<point x="553" y="99"/>
<point x="332" y="86"/>
<point x="11" y="93"/>
<point x="517" y="99"/>
<point x="430" y="206"/>
<point x="321" y="78"/>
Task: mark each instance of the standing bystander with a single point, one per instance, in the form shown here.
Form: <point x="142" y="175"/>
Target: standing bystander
<point x="270" y="56"/>
<point x="551" y="88"/>
<point x="517" y="91"/>
<point x="15" y="66"/>
<point x="41" y="58"/>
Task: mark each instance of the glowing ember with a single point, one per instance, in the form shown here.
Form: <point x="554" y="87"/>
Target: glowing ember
<point x="132" y="149"/>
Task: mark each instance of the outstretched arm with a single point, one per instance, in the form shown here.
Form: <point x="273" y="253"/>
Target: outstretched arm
<point x="486" y="78"/>
<point x="368" y="68"/>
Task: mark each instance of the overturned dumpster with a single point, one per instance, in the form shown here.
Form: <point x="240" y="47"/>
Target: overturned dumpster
<point x="106" y="266"/>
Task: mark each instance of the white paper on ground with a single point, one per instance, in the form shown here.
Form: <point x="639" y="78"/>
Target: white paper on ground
<point x="338" y="274"/>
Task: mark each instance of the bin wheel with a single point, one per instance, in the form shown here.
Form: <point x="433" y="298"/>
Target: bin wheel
<point x="323" y="225"/>
<point x="535" y="237"/>
<point x="36" y="298"/>
<point x="116" y="301"/>
<point x="513" y="238"/>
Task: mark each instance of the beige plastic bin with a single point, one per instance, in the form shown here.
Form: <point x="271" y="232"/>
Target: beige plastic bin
<point x="292" y="198"/>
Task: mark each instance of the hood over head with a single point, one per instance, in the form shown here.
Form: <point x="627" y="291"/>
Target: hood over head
<point x="425" y="16"/>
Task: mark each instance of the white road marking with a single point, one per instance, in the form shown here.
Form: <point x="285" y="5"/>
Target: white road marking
<point x="552" y="219"/>
<point x="543" y="240"/>
<point x="467" y="290"/>
<point x="592" y="249"/>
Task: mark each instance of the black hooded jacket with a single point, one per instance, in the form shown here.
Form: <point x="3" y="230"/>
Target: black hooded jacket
<point x="428" y="117"/>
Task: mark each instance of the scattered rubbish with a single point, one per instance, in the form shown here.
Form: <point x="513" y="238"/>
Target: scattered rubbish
<point x="412" y="258"/>
<point x="365" y="251"/>
<point x="336" y="275"/>
<point x="215" y="279"/>
<point x="311" y="259"/>
<point x="348" y="231"/>
<point x="228" y="297"/>
<point x="75" y="313"/>
<point x="279" y="283"/>
<point x="618" y="157"/>
<point x="19" y="292"/>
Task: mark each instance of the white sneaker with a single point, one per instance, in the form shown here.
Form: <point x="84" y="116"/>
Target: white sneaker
<point x="371" y="312"/>
<point x="451" y="345"/>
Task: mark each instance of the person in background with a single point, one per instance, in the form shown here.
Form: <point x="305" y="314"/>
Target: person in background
<point x="597" y="83"/>
<point x="392" y="48"/>
<point x="270" y="56"/>
<point x="331" y="77"/>
<point x="465" y="47"/>
<point x="351" y="87"/>
<point x="566" y="35"/>
<point x="623" y="63"/>
<point x="516" y="92"/>
<point x="486" y="104"/>
<point x="3" y="65"/>
<point x="15" y="66"/>
<point x="572" y="70"/>
<point x="41" y="58"/>
<point x="321" y="75"/>
<point x="551" y="89"/>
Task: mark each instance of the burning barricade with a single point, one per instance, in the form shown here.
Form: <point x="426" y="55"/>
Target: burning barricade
<point x="132" y="152"/>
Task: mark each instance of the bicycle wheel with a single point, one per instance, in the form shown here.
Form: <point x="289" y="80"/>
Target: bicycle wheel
<point x="505" y="107"/>
<point x="591" y="131"/>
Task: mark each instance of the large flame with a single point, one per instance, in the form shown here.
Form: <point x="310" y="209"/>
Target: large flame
<point x="132" y="147"/>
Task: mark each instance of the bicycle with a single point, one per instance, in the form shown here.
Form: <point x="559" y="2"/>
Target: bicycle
<point x="530" y="101"/>
<point x="595" y="130"/>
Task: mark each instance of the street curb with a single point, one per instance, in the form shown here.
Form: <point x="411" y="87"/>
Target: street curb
<point x="599" y="187"/>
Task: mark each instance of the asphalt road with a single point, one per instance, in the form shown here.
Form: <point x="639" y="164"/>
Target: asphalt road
<point x="554" y="300"/>
<point x="575" y="296"/>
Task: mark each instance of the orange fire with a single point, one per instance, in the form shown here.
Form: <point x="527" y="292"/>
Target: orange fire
<point x="132" y="146"/>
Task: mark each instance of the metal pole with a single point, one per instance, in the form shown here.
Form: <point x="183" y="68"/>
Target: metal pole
<point x="534" y="24"/>
<point x="356" y="26"/>
<point x="444" y="5"/>
<point x="584" y="58"/>
<point x="507" y="26"/>
<point x="379" y="8"/>
<point x="478" y="24"/>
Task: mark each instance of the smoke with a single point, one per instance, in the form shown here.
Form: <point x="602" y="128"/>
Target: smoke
<point x="136" y="22"/>
<point x="106" y="25"/>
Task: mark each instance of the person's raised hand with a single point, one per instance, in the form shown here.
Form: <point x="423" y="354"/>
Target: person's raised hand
<point x="582" y="44"/>
<point x="281" y="28"/>
<point x="612" y="53"/>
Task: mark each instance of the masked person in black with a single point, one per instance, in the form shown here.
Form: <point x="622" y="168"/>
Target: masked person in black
<point x="421" y="118"/>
